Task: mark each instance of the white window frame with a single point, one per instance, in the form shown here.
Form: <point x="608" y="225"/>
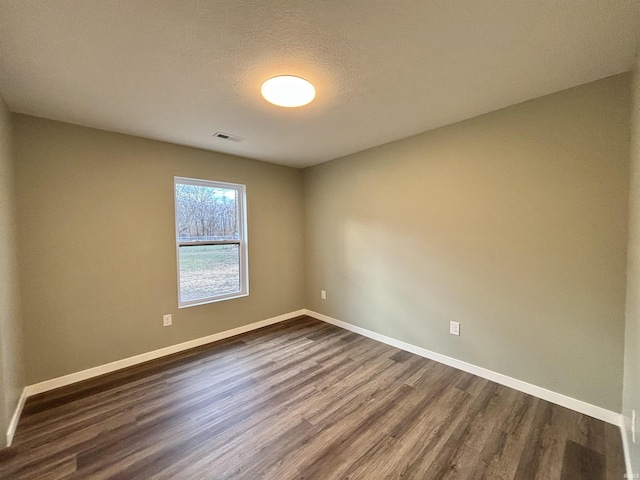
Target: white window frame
<point x="241" y="205"/>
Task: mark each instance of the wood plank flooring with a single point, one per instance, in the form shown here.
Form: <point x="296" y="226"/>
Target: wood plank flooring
<point x="303" y="400"/>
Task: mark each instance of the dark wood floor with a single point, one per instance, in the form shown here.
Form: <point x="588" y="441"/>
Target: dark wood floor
<point x="304" y="400"/>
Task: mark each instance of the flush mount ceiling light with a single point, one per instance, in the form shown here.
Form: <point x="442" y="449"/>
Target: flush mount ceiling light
<point x="288" y="91"/>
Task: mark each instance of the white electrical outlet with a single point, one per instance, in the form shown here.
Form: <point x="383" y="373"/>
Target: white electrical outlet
<point x="633" y="426"/>
<point x="454" y="328"/>
<point x="323" y="294"/>
<point x="166" y="320"/>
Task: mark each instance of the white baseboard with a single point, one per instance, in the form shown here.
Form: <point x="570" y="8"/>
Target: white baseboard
<point x="557" y="398"/>
<point x="624" y="421"/>
<point x="145" y="357"/>
<point x="553" y="397"/>
<point x="13" y="424"/>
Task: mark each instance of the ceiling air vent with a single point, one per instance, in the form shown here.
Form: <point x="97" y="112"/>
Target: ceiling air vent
<point x="228" y="136"/>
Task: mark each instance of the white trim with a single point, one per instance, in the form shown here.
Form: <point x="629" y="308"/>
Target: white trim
<point x="145" y="357"/>
<point x="241" y="212"/>
<point x="557" y="398"/>
<point x="553" y="397"/>
<point x="13" y="424"/>
<point x="625" y="446"/>
<point x="221" y="298"/>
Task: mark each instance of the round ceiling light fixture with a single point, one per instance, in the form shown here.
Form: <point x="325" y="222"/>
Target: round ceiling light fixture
<point x="288" y="91"/>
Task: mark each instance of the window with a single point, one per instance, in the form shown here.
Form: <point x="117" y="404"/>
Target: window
<point x="211" y="241"/>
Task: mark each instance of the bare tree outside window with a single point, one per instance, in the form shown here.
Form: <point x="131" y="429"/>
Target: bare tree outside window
<point x="210" y="240"/>
<point x="206" y="213"/>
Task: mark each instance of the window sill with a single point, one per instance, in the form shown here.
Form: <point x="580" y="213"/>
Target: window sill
<point x="213" y="300"/>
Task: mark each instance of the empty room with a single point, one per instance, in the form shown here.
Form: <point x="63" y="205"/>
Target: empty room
<point x="320" y="240"/>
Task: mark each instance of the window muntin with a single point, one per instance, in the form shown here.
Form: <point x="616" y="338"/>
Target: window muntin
<point x="210" y="241"/>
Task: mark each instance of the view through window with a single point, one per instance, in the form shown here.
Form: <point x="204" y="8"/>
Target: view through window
<point x="210" y="241"/>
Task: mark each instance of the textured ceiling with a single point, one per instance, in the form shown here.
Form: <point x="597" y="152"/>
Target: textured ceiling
<point x="180" y="70"/>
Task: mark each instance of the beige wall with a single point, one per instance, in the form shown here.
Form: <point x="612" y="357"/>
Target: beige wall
<point x="12" y="379"/>
<point x="513" y="223"/>
<point x="97" y="244"/>
<point x="632" y="336"/>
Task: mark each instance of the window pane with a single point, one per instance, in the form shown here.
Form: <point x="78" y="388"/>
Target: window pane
<point x="208" y="270"/>
<point x="206" y="213"/>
